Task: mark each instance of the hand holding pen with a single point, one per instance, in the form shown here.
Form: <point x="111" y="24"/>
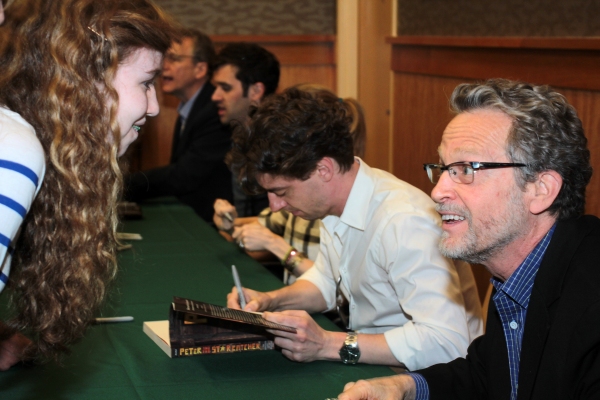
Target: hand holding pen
<point x="224" y="215"/>
<point x="252" y="299"/>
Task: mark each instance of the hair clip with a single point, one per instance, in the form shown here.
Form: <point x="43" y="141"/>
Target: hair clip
<point x="99" y="35"/>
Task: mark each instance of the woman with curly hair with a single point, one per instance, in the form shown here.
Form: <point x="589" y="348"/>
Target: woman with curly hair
<point x="77" y="82"/>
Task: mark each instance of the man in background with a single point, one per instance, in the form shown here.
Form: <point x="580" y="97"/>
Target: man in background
<point x="245" y="74"/>
<point x="510" y="188"/>
<point x="197" y="173"/>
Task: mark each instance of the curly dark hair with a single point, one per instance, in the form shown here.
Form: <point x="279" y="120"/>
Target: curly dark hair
<point x="288" y="134"/>
<point x="59" y="59"/>
<point x="546" y="134"/>
<point x="254" y="64"/>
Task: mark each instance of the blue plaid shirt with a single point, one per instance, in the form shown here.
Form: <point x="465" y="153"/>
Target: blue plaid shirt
<point x="511" y="300"/>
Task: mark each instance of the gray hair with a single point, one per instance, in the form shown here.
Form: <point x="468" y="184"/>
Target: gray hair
<point x="546" y="134"/>
<point x="204" y="49"/>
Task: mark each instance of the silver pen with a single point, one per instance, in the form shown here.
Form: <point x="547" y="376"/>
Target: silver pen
<point x="108" y="320"/>
<point x="238" y="285"/>
<point x="229" y="217"/>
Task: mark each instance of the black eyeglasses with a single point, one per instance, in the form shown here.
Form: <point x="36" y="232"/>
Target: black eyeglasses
<point x="463" y="171"/>
<point x="341" y="304"/>
<point x="172" y="57"/>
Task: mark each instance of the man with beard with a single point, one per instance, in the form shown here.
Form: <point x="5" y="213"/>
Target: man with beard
<point x="513" y="199"/>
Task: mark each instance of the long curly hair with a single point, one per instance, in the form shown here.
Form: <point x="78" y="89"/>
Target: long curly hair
<point x="58" y="59"/>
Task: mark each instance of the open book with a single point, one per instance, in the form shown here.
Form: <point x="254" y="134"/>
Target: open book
<point x="195" y="328"/>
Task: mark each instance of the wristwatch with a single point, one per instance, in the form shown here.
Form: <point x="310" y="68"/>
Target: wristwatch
<point x="350" y="353"/>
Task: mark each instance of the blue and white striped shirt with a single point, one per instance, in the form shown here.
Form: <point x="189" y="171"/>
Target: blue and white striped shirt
<point x="22" y="168"/>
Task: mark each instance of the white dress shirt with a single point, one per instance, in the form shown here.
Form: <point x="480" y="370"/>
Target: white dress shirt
<point x="384" y="246"/>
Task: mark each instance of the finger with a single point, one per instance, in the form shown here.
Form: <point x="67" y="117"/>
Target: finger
<point x="252" y="305"/>
<point x="218" y="207"/>
<point x="294" y="313"/>
<point x="294" y="355"/>
<point x="288" y="317"/>
<point x="233" y="300"/>
<point x="282" y="334"/>
<point x="284" y="343"/>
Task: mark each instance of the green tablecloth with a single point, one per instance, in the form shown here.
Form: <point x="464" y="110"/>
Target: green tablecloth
<point x="179" y="255"/>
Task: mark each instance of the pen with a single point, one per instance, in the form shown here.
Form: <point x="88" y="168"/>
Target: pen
<point x="108" y="320"/>
<point x="229" y="217"/>
<point x="238" y="285"/>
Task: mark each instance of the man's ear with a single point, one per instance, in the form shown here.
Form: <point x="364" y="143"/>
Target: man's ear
<point x="200" y="70"/>
<point x="545" y="189"/>
<point x="256" y="92"/>
<point x="326" y="169"/>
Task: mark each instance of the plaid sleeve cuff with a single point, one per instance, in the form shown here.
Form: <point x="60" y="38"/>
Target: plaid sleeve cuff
<point x="422" y="392"/>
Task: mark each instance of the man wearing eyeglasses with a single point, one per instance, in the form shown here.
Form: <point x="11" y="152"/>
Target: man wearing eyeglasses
<point x="197" y="173"/>
<point x="407" y="304"/>
<point x="510" y="188"/>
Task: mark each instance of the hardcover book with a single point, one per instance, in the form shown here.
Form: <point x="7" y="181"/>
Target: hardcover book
<point x="196" y="328"/>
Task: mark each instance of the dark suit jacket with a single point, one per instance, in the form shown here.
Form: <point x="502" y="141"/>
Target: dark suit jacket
<point x="197" y="174"/>
<point x="560" y="356"/>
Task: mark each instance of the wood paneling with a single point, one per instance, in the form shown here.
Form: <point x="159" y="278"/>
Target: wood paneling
<point x="303" y="59"/>
<point x="374" y="77"/>
<point x="552" y="43"/>
<point x="570" y="64"/>
<point x="427" y="69"/>
<point x="420" y="115"/>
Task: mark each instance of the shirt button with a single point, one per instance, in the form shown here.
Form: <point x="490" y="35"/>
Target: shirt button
<point x="513" y="325"/>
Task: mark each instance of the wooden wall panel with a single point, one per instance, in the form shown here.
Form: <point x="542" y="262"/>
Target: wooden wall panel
<point x="420" y="115"/>
<point x="294" y="74"/>
<point x="374" y="77"/>
<point x="303" y="59"/>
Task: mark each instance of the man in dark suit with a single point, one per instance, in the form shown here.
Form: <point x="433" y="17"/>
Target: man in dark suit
<point x="197" y="174"/>
<point x="512" y="199"/>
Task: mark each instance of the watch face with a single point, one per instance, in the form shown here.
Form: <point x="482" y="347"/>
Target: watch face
<point x="349" y="355"/>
